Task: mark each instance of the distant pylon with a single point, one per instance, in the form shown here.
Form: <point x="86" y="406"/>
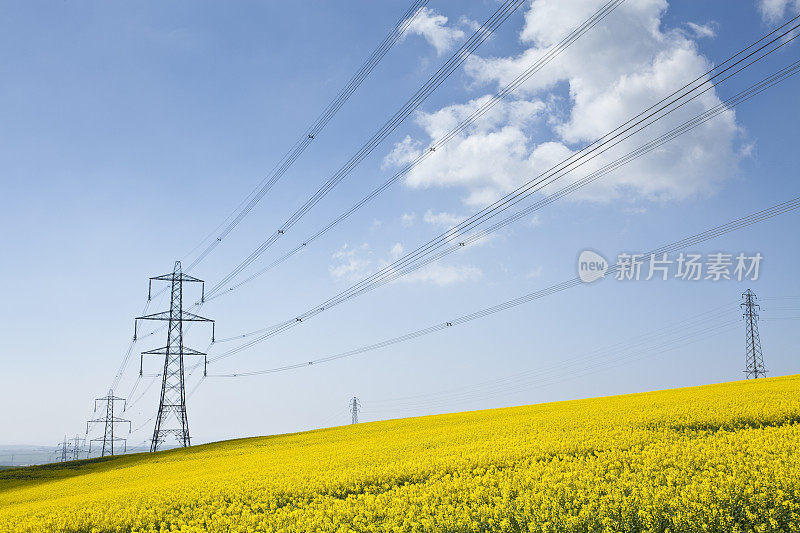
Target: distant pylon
<point x="754" y="359"/>
<point x="355" y="405"/>
<point x="78" y="444"/>
<point x="171" y="417"/>
<point x="62" y="451"/>
<point x="109" y="421"/>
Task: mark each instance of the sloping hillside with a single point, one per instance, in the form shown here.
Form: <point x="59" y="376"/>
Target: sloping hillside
<point x="725" y="457"/>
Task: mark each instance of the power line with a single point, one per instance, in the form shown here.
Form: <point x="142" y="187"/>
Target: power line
<point x="442" y="74"/>
<point x="550" y="54"/>
<point x="657" y="342"/>
<point x="514" y="197"/>
<point x="126" y="358"/>
<point x="700" y="322"/>
<point x="709" y="234"/>
<point x="393" y="273"/>
<point x="311" y="132"/>
<point x="484" y="32"/>
<point x="294" y="152"/>
<point x="406" y="264"/>
<point x="550" y="375"/>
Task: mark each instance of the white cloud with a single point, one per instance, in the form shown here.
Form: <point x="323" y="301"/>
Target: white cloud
<point x="535" y="273"/>
<point x="486" y="157"/>
<point x="396" y="252"/>
<point x="350" y="263"/>
<point x="441" y="274"/>
<point x="443" y="219"/>
<point x="702" y="30"/>
<point x="620" y="67"/>
<point x="353" y="263"/>
<point x="403" y="153"/>
<point x="407" y="219"/>
<point x="433" y="28"/>
<point x="775" y="10"/>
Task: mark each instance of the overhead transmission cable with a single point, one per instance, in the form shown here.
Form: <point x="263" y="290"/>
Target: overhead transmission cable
<point x="402" y="266"/>
<point x="571" y="163"/>
<point x="539" y="377"/>
<point x="643" y="343"/>
<point x="743" y="95"/>
<point x="643" y="150"/>
<point x="609" y="141"/>
<point x="506" y="9"/>
<point x="594" y="368"/>
<point x="549" y="55"/>
<point x="709" y="316"/>
<point x="311" y="132"/>
<point x="734" y="225"/>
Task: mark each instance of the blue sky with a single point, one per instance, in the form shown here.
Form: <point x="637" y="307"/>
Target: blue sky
<point x="129" y="132"/>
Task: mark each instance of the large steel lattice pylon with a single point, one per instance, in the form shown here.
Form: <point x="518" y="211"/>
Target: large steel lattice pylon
<point x="754" y="359"/>
<point x="171" y="418"/>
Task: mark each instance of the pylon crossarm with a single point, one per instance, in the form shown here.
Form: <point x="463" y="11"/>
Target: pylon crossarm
<point x="179" y="277"/>
<point x="163" y="351"/>
<point x="195" y="318"/>
<point x="154" y="316"/>
<point x="106" y="398"/>
<point x="165" y="315"/>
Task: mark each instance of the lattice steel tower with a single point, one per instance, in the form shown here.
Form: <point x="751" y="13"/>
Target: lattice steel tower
<point x="754" y="359"/>
<point x="62" y="451"/>
<point x="355" y="405"/>
<point x="171" y="418"/>
<point x="78" y="445"/>
<point x="109" y="422"/>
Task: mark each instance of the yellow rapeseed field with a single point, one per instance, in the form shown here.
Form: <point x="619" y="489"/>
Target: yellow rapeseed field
<point x="723" y="458"/>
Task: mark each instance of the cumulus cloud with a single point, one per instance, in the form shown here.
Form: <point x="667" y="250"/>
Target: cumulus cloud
<point x="407" y="219"/>
<point x="442" y="219"/>
<point x="535" y="273"/>
<point x="433" y="28"/>
<point x="350" y="263"/>
<point x="486" y="157"/>
<point x="441" y="274"/>
<point x="396" y="252"/>
<point x="353" y="263"/>
<point x="620" y="67"/>
<point x="702" y="30"/>
<point x="775" y="10"/>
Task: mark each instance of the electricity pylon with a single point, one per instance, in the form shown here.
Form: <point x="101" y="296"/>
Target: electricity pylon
<point x="754" y="359"/>
<point x="109" y="422"/>
<point x="78" y="444"/>
<point x="62" y="451"/>
<point x="355" y="405"/>
<point x="171" y="417"/>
